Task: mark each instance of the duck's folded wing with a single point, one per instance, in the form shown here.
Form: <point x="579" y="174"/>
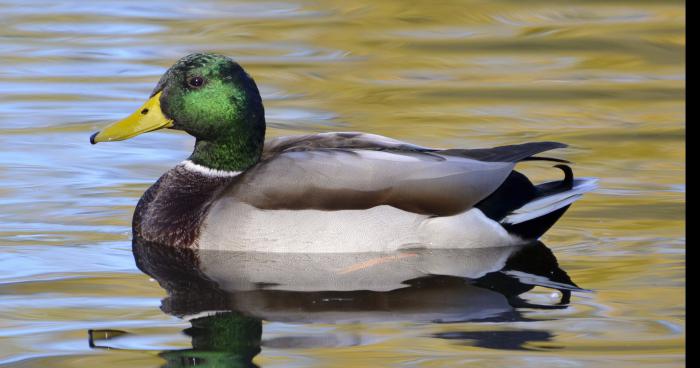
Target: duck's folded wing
<point x="338" y="171"/>
<point x="357" y="140"/>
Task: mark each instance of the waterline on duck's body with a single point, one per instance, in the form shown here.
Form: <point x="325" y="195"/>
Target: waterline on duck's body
<point x="235" y="226"/>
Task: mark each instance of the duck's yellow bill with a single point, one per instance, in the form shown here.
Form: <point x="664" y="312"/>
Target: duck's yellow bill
<point x="146" y="119"/>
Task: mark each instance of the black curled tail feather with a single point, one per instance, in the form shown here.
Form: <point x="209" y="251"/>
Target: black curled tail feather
<point x="568" y="181"/>
<point x="553" y="187"/>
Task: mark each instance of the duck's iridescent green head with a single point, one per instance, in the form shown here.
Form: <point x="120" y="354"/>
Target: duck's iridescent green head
<point x="213" y="99"/>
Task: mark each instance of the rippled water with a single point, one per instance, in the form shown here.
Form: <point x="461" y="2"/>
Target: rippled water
<point x="608" y="78"/>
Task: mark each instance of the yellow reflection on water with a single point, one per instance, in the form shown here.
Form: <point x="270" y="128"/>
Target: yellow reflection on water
<point x="608" y="78"/>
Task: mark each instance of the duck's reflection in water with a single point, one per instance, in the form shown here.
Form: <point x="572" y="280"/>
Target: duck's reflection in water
<point x="226" y="296"/>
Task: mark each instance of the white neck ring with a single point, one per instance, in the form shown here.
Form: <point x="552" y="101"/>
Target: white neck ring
<point x="191" y="166"/>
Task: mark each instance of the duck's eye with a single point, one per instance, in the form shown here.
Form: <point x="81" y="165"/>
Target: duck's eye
<point x="195" y="82"/>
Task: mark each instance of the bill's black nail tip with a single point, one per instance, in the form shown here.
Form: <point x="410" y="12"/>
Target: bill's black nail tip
<point x="92" y="138"/>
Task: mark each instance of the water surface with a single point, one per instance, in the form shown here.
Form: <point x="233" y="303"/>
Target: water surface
<point x="608" y="78"/>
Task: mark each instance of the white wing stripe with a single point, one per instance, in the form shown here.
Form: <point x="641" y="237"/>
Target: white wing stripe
<point x="548" y="204"/>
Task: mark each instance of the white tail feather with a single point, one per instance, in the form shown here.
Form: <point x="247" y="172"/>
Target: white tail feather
<point x="547" y="204"/>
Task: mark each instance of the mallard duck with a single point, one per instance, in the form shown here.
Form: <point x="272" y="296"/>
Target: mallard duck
<point x="328" y="192"/>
